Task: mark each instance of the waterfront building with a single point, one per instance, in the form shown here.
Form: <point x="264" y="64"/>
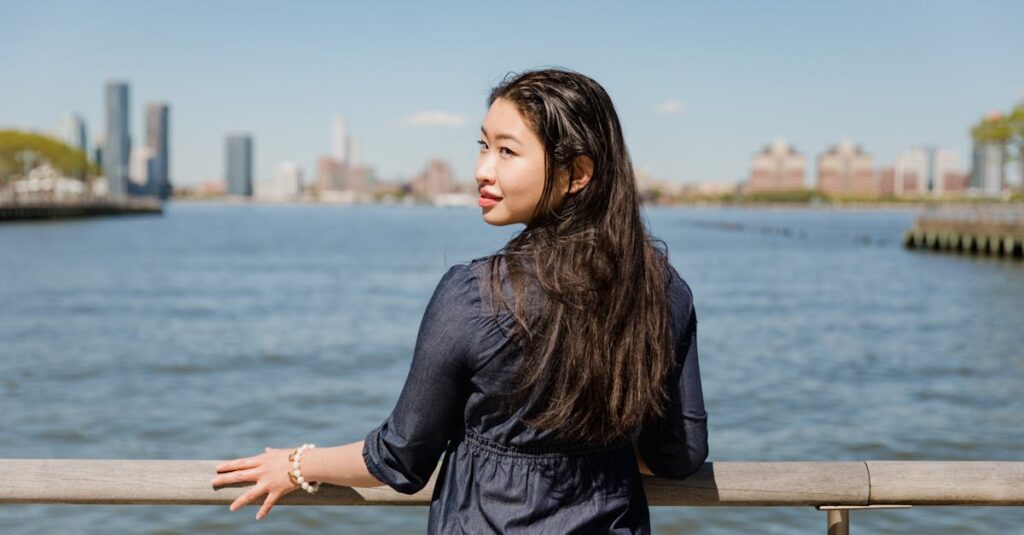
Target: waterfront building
<point x="777" y="167"/>
<point x="287" y="182"/>
<point x="117" y="149"/>
<point x="158" y="180"/>
<point x="988" y="169"/>
<point x="238" y="164"/>
<point x="927" y="170"/>
<point x="846" y="169"/>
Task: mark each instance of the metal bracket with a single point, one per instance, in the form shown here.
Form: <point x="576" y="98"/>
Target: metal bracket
<point x="839" y="515"/>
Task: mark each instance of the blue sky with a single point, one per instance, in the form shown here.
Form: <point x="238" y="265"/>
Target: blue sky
<point x="889" y="75"/>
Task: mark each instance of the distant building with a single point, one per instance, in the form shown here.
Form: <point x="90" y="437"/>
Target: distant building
<point x="139" y="170"/>
<point x="340" y="141"/>
<point x="117" y="150"/>
<point x="438" y="178"/>
<point x="158" y="181"/>
<point x="988" y="169"/>
<point x="355" y="152"/>
<point x="778" y="167"/>
<point x="926" y="170"/>
<point x="238" y="164"/>
<point x="846" y="169"/>
<point x="885" y="177"/>
<point x="287" y="183"/>
<point x="328" y="174"/>
<point x="72" y="132"/>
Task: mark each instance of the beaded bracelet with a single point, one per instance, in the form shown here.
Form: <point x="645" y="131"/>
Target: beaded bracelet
<point x="295" y="474"/>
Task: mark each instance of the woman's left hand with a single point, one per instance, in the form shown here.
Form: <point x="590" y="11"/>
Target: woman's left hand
<point x="268" y="470"/>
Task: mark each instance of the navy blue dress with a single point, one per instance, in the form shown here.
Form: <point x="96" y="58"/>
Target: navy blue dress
<point x="498" y="475"/>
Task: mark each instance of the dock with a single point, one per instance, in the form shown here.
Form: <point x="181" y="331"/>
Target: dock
<point x="50" y="209"/>
<point x="984" y="230"/>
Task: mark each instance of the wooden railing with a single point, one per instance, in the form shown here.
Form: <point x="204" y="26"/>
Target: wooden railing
<point x="835" y="487"/>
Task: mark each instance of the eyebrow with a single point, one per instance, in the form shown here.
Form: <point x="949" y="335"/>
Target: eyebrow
<point x="501" y="136"/>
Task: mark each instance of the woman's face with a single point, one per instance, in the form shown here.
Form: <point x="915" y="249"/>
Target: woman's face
<point x="510" y="169"/>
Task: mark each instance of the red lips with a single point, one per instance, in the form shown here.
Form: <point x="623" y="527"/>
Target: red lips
<point x="488" y="195"/>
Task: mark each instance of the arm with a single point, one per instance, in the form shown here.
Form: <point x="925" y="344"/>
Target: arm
<point x="403" y="451"/>
<point x="676" y="444"/>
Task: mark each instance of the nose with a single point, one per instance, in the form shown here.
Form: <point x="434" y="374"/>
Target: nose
<point x="484" y="170"/>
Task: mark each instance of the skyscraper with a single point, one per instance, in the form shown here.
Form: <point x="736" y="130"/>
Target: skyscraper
<point x="117" y="152"/>
<point x="339" y="140"/>
<point x="158" y="181"/>
<point x="988" y="168"/>
<point x="238" y="164"/>
<point x="72" y="132"/>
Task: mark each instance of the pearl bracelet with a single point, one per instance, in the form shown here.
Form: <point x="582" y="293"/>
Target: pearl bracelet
<point x="296" y="474"/>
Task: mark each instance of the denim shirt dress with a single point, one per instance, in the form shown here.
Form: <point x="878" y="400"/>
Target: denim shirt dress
<point x="499" y="475"/>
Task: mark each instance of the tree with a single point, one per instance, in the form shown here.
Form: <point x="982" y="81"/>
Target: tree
<point x="21" y="151"/>
<point x="1006" y="132"/>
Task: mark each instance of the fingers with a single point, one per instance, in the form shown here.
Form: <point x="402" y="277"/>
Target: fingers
<point x="239" y="464"/>
<point x="249" y="496"/>
<point x="239" y="476"/>
<point x="268" y="504"/>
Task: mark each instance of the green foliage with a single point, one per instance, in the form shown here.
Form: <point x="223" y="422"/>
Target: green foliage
<point x="18" y="148"/>
<point x="1003" y="129"/>
<point x="791" y="196"/>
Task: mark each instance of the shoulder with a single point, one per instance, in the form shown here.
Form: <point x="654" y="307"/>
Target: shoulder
<point x="459" y="287"/>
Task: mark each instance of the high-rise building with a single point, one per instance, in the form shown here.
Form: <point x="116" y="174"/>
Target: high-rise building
<point x="238" y="164"/>
<point x="117" y="151"/>
<point x="778" y="167"/>
<point x="339" y="140"/>
<point x="72" y="132"/>
<point x="158" y="181"/>
<point x="846" y="169"/>
<point x="988" y="168"/>
<point x="355" y="152"/>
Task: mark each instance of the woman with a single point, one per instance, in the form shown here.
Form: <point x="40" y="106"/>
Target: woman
<point x="549" y="375"/>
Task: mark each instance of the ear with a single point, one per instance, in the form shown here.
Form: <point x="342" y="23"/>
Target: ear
<point x="582" y="170"/>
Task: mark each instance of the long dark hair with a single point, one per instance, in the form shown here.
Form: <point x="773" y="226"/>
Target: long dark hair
<point x="598" y="345"/>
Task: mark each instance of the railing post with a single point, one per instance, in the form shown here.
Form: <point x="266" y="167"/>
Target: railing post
<point x="838" y="521"/>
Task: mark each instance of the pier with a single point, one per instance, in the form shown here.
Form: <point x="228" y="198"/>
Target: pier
<point x="78" y="208"/>
<point x="836" y="488"/>
<point x="984" y="230"/>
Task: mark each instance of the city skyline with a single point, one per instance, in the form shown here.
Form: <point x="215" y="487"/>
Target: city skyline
<point x="698" y="91"/>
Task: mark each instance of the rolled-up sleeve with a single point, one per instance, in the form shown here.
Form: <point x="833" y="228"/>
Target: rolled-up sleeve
<point x="676" y="444"/>
<point x="403" y="451"/>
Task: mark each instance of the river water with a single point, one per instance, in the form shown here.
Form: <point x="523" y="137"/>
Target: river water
<point x="218" y="329"/>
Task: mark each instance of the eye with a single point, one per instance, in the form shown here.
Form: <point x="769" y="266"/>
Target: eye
<point x="506" y="151"/>
<point x="482" y="144"/>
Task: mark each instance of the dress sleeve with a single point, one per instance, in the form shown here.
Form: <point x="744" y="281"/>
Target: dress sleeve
<point x="403" y="451"/>
<point x="676" y="444"/>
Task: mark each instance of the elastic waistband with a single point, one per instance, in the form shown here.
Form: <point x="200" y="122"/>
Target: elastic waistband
<point x="542" y="451"/>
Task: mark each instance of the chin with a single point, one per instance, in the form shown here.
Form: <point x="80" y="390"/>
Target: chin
<point x="492" y="218"/>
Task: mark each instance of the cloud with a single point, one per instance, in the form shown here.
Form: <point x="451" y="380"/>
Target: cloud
<point x="669" y="107"/>
<point x="436" y="118"/>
